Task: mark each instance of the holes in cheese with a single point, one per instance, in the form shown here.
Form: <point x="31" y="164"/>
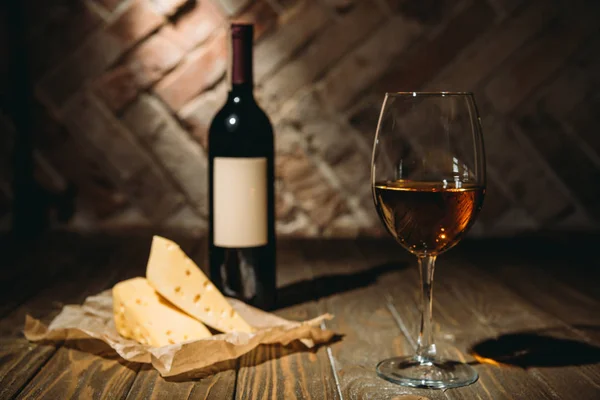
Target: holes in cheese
<point x="146" y="322"/>
<point x="196" y="298"/>
<point x="166" y="271"/>
<point x="187" y="272"/>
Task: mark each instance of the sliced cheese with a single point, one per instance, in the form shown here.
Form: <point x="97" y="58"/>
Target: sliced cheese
<point x="145" y="316"/>
<point x="179" y="279"/>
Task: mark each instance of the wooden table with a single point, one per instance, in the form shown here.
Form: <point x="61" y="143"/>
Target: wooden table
<point x="537" y="297"/>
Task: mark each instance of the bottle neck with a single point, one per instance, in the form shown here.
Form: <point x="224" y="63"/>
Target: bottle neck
<point x="241" y="57"/>
<point x="241" y="93"/>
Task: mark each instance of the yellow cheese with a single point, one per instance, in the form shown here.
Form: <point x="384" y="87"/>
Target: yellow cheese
<point x="145" y="316"/>
<point x="180" y="281"/>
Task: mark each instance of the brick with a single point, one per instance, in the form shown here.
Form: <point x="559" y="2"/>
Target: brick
<point x="480" y="59"/>
<point x="98" y="192"/>
<point x="143" y="67"/>
<point x="233" y="7"/>
<point x="126" y="163"/>
<point x="536" y="62"/>
<point x="326" y="49"/>
<point x="365" y="116"/>
<point x="342" y="6"/>
<point x="430" y="57"/>
<point x="155" y="57"/>
<point x="513" y="221"/>
<point x="56" y="87"/>
<point x="187" y="220"/>
<point x="579" y="79"/>
<point x="504" y="8"/>
<point x="262" y="15"/>
<point x="297" y="226"/>
<point x="198" y="24"/>
<point x="285" y="207"/>
<point x="63" y="28"/>
<point x="424" y="11"/>
<point x="118" y="87"/>
<point x="495" y="202"/>
<point x="85" y="118"/>
<point x="181" y="157"/>
<point x="199" y="71"/>
<point x="521" y="171"/>
<point x="95" y="190"/>
<point x="577" y="220"/>
<point x="198" y="114"/>
<point x="109" y="4"/>
<point x="312" y="192"/>
<point x="341" y="86"/>
<point x="288" y="137"/>
<point x="344" y="226"/>
<point x="98" y="53"/>
<point x="295" y="28"/>
<point x="341" y="145"/>
<point x="135" y="23"/>
<point x="578" y="172"/>
<point x="170" y="34"/>
<point x="167" y="7"/>
<point x="131" y="219"/>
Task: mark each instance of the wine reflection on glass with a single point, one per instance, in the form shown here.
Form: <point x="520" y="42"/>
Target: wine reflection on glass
<point x="428" y="180"/>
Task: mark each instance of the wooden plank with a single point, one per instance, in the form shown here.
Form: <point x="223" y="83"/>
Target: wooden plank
<point x="401" y="290"/>
<point x="291" y="372"/>
<point x="456" y="331"/>
<point x="84" y="368"/>
<point x="19" y="361"/>
<point x="370" y="334"/>
<point x="73" y="372"/>
<point x="149" y="384"/>
<point x="562" y="256"/>
<point x="567" y="304"/>
<point x="499" y="311"/>
<point x="92" y="274"/>
<point x="556" y="276"/>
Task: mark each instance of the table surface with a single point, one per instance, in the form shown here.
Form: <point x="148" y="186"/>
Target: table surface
<point x="523" y="312"/>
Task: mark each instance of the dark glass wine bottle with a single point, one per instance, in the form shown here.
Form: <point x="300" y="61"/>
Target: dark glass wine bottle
<point x="241" y="187"/>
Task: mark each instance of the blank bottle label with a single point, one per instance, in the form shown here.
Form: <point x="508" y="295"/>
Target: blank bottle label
<point x="240" y="202"/>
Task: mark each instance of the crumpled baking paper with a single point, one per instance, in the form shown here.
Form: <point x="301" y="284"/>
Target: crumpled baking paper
<point x="94" y="320"/>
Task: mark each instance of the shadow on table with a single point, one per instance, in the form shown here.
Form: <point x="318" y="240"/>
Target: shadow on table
<point x="538" y="349"/>
<point x="257" y="356"/>
<point x="260" y="355"/>
<point x="327" y="285"/>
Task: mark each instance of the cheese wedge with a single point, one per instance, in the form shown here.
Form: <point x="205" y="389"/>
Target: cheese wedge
<point x="143" y="315"/>
<point x="179" y="280"/>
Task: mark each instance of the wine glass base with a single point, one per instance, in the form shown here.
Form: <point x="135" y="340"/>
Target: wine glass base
<point x="434" y="374"/>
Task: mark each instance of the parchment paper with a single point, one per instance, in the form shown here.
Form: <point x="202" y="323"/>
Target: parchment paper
<point x="94" y="319"/>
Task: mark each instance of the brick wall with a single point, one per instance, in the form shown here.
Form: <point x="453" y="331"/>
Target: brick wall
<point x="125" y="90"/>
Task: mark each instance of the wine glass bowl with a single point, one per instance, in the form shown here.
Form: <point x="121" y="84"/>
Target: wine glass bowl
<point x="428" y="180"/>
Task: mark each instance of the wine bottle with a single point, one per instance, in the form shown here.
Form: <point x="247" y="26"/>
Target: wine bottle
<point x="241" y="187"/>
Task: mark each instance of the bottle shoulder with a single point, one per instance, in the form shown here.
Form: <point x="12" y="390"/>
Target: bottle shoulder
<point x="240" y="128"/>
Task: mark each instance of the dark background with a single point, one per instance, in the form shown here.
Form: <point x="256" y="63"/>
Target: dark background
<point x="114" y="97"/>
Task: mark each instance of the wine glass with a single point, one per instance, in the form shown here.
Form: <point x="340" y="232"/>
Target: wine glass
<point x="428" y="180"/>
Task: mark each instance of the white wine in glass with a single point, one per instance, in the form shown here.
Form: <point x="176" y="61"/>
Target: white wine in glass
<point x="428" y="178"/>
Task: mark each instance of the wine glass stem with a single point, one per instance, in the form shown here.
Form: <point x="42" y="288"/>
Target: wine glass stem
<point x="426" y="350"/>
